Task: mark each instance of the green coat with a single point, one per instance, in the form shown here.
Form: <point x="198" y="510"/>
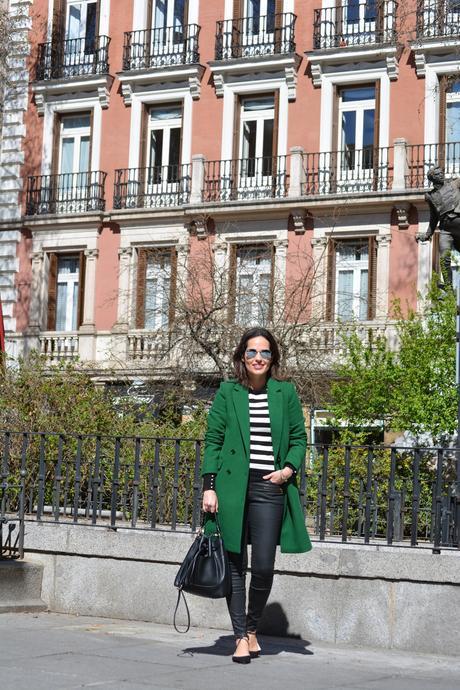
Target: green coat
<point x="227" y="454"/>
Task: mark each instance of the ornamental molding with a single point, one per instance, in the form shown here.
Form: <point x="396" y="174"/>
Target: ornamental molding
<point x="91" y="253"/>
<point x="392" y="67"/>
<point x="420" y="63"/>
<point x="402" y="214"/>
<point x="198" y="228"/>
<point x="180" y="77"/>
<point x="319" y="242"/>
<point x="383" y="240"/>
<point x="298" y="217"/>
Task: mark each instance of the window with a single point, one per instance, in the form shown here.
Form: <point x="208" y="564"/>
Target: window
<point x="449" y="128"/>
<point x="65" y="291"/>
<point x="260" y="15"/>
<point x="359" y="19"/>
<point x="74" y="148"/>
<point x="256" y="140"/>
<point x="351" y="279"/>
<point x="80" y="22"/>
<point x="253" y="284"/>
<point x="155" y="287"/>
<point x="356" y="137"/>
<point x="164" y="136"/>
<point x="169" y="18"/>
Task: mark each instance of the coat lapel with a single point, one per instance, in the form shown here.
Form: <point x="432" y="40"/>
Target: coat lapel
<point x="241" y="404"/>
<point x="275" y="409"/>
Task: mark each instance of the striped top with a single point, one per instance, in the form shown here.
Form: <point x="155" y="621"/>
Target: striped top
<point x="261" y="447"/>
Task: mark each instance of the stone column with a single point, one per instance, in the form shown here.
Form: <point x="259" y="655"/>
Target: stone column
<point x="87" y="331"/>
<point x="119" y="344"/>
<point x="281" y="247"/>
<point x="196" y="194"/>
<point x="37" y="302"/>
<point x="297" y="173"/>
<point x="383" y="276"/>
<point x="400" y="168"/>
<point x="318" y="297"/>
<point x="424" y="266"/>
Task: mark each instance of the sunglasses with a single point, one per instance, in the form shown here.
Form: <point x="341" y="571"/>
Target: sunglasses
<point x="265" y="354"/>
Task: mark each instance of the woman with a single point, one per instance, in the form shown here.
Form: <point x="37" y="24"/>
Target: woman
<point x="255" y="444"/>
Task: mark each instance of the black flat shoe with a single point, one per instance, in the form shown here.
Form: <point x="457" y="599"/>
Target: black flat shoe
<point x="246" y="659"/>
<point x="256" y="654"/>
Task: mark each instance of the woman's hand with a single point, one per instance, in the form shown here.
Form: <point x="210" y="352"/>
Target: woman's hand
<point x="279" y="476"/>
<point x="210" y="502"/>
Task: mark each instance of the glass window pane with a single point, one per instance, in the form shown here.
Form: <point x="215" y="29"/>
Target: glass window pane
<point x="349" y="129"/>
<point x="453" y="122"/>
<point x="61" y="306"/>
<point x="67" y="155"/>
<point x="74" y="325"/>
<point x="161" y="14"/>
<point x="345" y="295"/>
<point x="370" y="11"/>
<point x="76" y="122"/>
<point x="84" y="155"/>
<point x="156" y="147"/>
<point x="68" y="264"/>
<point x="352" y="11"/>
<point x="363" y="93"/>
<point x="74" y="22"/>
<point x="179" y="13"/>
<point x="455" y="87"/>
<point x="249" y="139"/>
<point x="363" y="295"/>
<point x="245" y="299"/>
<point x="90" y="32"/>
<point x="166" y="112"/>
<point x="255" y="104"/>
<point x="174" y="148"/>
<point x="264" y="299"/>
<point x="368" y="127"/>
<point x="267" y="148"/>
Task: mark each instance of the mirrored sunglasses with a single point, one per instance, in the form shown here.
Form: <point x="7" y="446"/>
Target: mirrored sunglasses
<point x="265" y="354"/>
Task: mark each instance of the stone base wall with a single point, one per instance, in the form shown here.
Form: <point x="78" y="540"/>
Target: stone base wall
<point x="385" y="597"/>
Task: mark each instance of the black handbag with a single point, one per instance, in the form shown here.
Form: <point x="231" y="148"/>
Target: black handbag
<point x="205" y="571"/>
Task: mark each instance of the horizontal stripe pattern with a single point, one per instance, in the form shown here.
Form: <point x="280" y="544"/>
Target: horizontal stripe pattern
<point x="261" y="446"/>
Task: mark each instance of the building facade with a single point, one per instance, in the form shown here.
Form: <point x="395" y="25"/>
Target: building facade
<point x="287" y="141"/>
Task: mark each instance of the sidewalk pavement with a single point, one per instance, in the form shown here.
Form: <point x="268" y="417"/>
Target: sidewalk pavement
<point x="49" y="651"/>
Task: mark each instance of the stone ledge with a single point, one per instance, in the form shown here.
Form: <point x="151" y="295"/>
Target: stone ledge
<point x="325" y="560"/>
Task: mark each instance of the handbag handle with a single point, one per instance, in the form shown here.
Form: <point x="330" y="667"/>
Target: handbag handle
<point x="216" y="520"/>
<point x="180" y="592"/>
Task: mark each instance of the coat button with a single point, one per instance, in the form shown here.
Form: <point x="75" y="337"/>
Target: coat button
<point x="232" y="451"/>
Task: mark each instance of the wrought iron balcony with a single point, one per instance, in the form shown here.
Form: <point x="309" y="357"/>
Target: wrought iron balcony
<point x="422" y="157"/>
<point x="355" y="23"/>
<point x="65" y="193"/>
<point x="438" y="18"/>
<point x="349" y="172"/>
<point x="246" y="179"/>
<point x="156" y="187"/>
<point x="161" y="47"/>
<point x="255" y="36"/>
<point x="73" y="57"/>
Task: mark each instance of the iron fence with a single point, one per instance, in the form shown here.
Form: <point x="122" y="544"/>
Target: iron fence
<point x="255" y="36"/>
<point x="351" y="171"/>
<point x="160" y="186"/>
<point x="422" y="157"/>
<point x="365" y="22"/>
<point x="162" y="47"/>
<point x="66" y="193"/>
<point x="438" y="18"/>
<point x="350" y="494"/>
<point x="73" y="57"/>
<point x="246" y="179"/>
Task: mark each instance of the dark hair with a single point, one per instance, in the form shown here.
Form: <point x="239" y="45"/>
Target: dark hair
<point x="238" y="364"/>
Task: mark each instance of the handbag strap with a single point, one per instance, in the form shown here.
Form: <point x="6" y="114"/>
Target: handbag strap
<point x="215" y="517"/>
<point x="180" y="592"/>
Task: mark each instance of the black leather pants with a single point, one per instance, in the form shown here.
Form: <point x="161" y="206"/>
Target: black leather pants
<point x="262" y="524"/>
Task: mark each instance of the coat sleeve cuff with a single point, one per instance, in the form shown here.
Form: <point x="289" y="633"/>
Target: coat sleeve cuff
<point x="209" y="481"/>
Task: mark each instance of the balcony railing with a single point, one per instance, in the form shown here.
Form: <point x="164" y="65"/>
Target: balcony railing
<point x="349" y="172"/>
<point x="365" y="22"/>
<point x="157" y="187"/>
<point x="255" y="36"/>
<point x="59" y="346"/>
<point x="246" y="179"/>
<point x="161" y="47"/>
<point x="73" y="57"/>
<point x="438" y="18"/>
<point x="66" y="193"/>
<point x="422" y="157"/>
